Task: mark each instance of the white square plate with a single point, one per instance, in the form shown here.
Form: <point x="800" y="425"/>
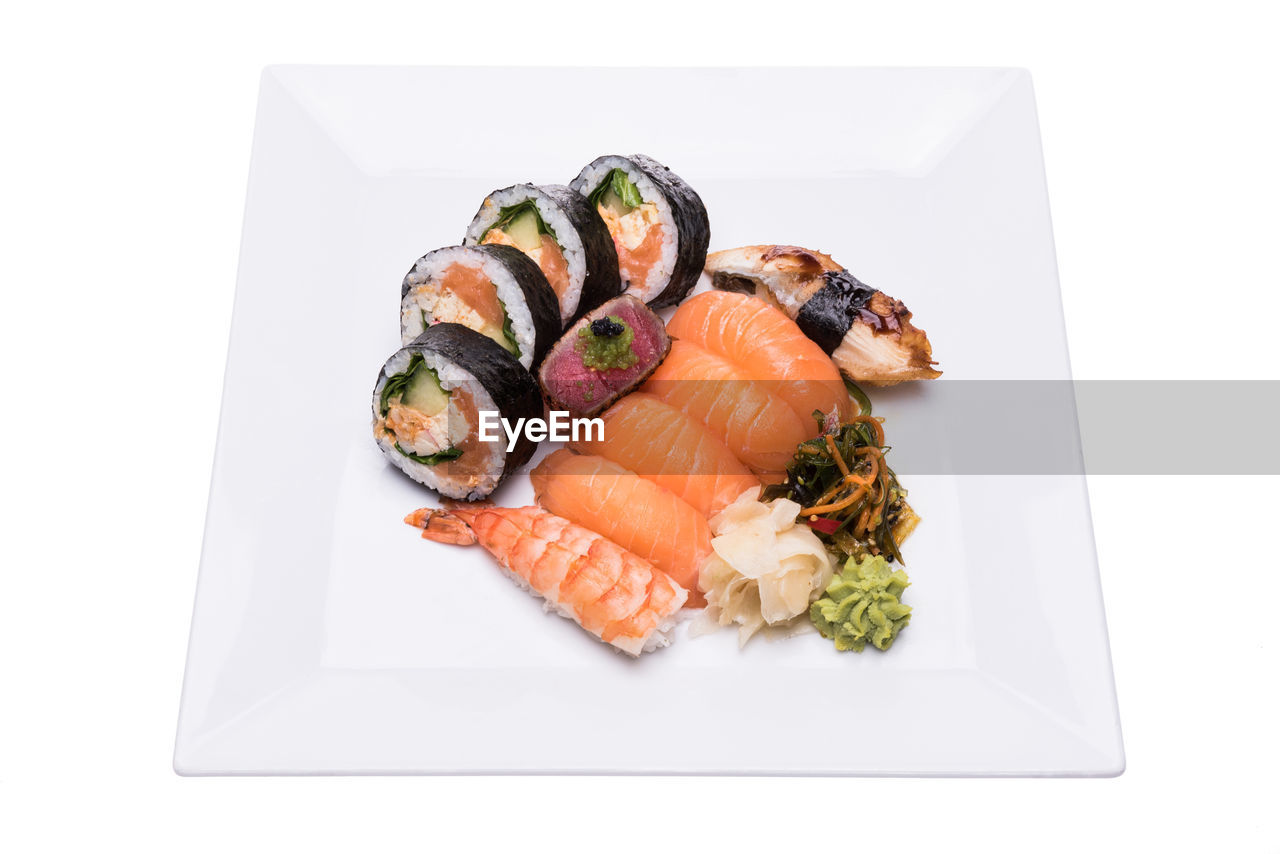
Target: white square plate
<point x="329" y="638"/>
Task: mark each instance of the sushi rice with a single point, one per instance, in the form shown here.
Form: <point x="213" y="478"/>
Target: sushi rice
<point x="658" y="638"/>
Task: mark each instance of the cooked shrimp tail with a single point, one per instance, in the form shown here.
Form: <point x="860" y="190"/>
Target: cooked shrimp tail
<point x="441" y="526"/>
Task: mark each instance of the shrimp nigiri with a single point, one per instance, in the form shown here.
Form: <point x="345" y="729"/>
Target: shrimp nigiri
<point x="768" y="346"/>
<point x="620" y="598"/>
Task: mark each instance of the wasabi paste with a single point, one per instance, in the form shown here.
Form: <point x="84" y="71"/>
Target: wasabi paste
<point x="862" y="604"/>
<point x="605" y="344"/>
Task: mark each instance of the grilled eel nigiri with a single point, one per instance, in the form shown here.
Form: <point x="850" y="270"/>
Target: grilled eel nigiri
<point x="867" y="333"/>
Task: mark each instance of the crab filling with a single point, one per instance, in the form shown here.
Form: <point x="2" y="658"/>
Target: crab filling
<point x="415" y="414"/>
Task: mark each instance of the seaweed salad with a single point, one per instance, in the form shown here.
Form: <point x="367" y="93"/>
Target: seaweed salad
<point x="849" y="494"/>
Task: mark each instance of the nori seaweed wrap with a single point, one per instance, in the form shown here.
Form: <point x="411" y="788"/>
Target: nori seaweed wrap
<point x="658" y="223"/>
<point x="427" y="406"/>
<point x="562" y="233"/>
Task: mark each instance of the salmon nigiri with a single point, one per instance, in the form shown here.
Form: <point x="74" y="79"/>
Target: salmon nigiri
<point x="768" y="346"/>
<point x="664" y="445"/>
<point x="757" y="426"/>
<point x="617" y="596"/>
<point x="635" y="513"/>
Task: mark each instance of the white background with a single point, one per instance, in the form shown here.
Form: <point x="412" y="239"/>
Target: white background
<point x="125" y="139"/>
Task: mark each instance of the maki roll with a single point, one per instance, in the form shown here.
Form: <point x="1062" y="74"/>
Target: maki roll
<point x="495" y="290"/>
<point x="658" y="223"/>
<point x="427" y="404"/>
<point x="564" y="236"/>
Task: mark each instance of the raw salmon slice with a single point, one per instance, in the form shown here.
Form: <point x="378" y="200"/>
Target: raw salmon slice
<point x="759" y="427"/>
<point x="475" y="289"/>
<point x="673" y="450"/>
<point x="768" y="346"/>
<point x="635" y="513"/>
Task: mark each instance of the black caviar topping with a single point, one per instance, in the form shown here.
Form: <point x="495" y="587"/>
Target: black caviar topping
<point x="605" y="327"/>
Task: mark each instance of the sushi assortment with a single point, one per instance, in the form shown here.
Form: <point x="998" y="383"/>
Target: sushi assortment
<point x="736" y="463"/>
